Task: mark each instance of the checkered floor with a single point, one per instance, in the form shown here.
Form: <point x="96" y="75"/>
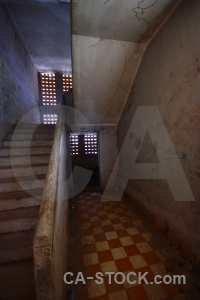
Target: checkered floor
<point x="116" y="237"/>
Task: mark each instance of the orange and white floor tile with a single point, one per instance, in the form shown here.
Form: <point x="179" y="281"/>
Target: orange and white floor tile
<point x="120" y="238"/>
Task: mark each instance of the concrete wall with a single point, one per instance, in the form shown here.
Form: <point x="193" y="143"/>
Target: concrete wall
<point x="107" y="48"/>
<point x="18" y="77"/>
<point x="108" y="41"/>
<point x="103" y="72"/>
<point x="49" y="43"/>
<point x="108" y="153"/>
<point x="169" y="78"/>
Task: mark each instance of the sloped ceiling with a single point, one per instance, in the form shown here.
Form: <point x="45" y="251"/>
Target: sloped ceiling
<point x="109" y="39"/>
<point x="117" y="20"/>
<point x="44" y="27"/>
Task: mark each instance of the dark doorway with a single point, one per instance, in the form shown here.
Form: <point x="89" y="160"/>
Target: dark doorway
<point x="84" y="151"/>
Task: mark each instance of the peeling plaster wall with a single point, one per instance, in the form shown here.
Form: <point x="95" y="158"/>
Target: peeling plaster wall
<point x="106" y="56"/>
<point x="103" y="71"/>
<point x="108" y="42"/>
<point x="102" y="76"/>
<point x="169" y="78"/>
<point x="18" y="78"/>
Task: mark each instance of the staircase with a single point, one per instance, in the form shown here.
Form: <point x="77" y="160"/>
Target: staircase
<point x="23" y="167"/>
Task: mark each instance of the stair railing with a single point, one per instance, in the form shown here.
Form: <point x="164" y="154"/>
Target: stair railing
<point x="50" y="241"/>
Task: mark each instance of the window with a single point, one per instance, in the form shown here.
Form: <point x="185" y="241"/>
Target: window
<point x="48" y="88"/>
<point x="84" y="144"/>
<point x="52" y="85"/>
<point x="50" y="118"/>
<point x="90" y="143"/>
<point x="66" y="82"/>
<point x="74" y="144"/>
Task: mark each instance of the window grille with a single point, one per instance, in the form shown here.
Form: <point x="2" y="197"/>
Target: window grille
<point x="50" y="118"/>
<point x="90" y="143"/>
<point x="48" y="88"/>
<point x="66" y="82"/>
<point x="74" y="144"/>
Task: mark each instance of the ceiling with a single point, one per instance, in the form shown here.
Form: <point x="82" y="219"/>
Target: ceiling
<point x="109" y="38"/>
<point x="122" y="20"/>
<point x="108" y="42"/>
<point x="44" y="27"/>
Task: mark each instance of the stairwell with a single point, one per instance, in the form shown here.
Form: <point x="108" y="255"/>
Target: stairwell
<point x="23" y="165"/>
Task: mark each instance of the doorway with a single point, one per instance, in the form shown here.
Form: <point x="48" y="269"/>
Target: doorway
<point x="84" y="153"/>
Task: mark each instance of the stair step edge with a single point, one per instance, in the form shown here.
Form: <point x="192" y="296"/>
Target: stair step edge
<point x="7" y="256"/>
<point x="18" y="225"/>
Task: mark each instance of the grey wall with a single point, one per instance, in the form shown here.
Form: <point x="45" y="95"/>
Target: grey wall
<point x="49" y="43"/>
<point x="18" y="77"/>
<point x="169" y="78"/>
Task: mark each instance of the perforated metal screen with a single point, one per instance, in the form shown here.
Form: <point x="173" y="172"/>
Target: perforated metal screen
<point x="84" y="144"/>
<point x="74" y="144"/>
<point x="66" y="82"/>
<point x="48" y="88"/>
<point x="50" y="118"/>
<point x="90" y="143"/>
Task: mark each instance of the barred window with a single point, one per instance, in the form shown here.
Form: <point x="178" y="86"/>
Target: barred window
<point x="48" y="88"/>
<point x="66" y="82"/>
<point x="50" y="118"/>
<point x="74" y="144"/>
<point x="90" y="143"/>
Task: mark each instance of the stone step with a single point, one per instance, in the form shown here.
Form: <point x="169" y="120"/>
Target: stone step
<point x="9" y="256"/>
<point x="18" y="195"/>
<point x="34" y="143"/>
<point x="23" y="160"/>
<point x="18" y="219"/>
<point x="25" y="151"/>
<point x="16" y="246"/>
<point x="21" y="178"/>
<point x="17" y="281"/>
<point x="38" y="126"/>
<point x="18" y="214"/>
<point x="34" y="130"/>
<point x="11" y="204"/>
<point x="16" y="240"/>
<point x="21" y="185"/>
<point x="23" y="171"/>
<point x="18" y="225"/>
<point x="27" y="137"/>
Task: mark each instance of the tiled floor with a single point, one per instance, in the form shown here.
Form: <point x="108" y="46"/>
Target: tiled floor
<point x="117" y="237"/>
